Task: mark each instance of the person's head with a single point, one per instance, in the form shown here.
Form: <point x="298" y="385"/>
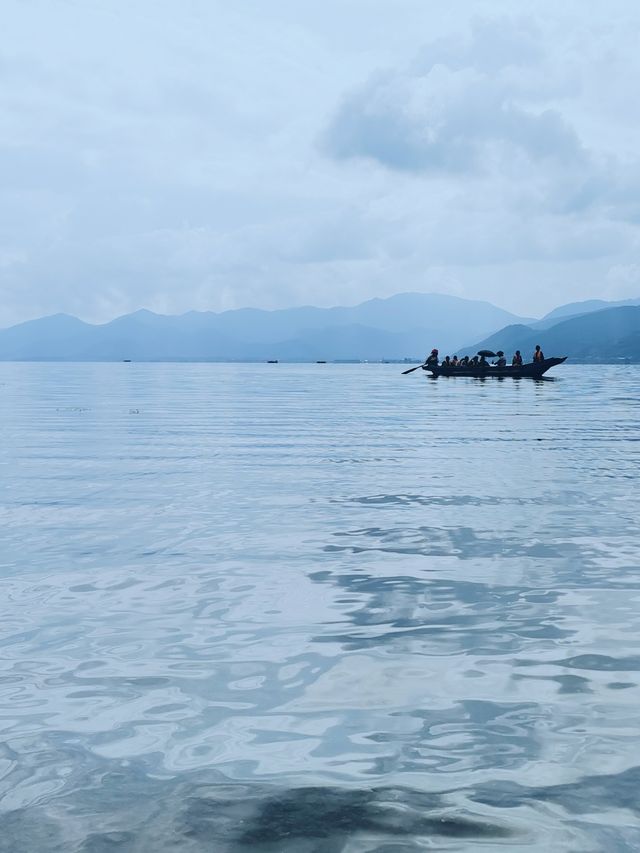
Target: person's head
<point x="434" y="351"/>
<point x="537" y="347"/>
<point x="517" y="352"/>
<point x="500" y="353"/>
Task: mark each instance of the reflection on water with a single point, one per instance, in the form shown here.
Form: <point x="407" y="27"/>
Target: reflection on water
<point x="327" y="611"/>
<point x="246" y="817"/>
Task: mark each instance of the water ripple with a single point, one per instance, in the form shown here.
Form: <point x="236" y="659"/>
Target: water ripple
<point x="317" y="612"/>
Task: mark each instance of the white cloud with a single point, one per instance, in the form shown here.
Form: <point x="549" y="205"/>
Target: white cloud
<point x="464" y="105"/>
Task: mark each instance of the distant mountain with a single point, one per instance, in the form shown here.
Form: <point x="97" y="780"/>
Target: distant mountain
<point x="405" y="325"/>
<point x="577" y="309"/>
<point x="608" y="335"/>
<point x="573" y="309"/>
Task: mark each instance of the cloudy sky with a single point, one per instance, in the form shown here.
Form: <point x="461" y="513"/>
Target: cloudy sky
<point x="178" y="154"/>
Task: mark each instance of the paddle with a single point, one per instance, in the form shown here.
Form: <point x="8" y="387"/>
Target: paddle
<point x="411" y="369"/>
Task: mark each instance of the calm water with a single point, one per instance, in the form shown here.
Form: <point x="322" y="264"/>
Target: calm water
<point x="318" y="609"/>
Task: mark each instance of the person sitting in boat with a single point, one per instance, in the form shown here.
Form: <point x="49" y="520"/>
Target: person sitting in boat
<point x="502" y="361"/>
<point x="432" y="359"/>
<point x="516" y="361"/>
<point x="454" y="361"/>
<point x="464" y="361"/>
<point x="538" y="354"/>
<point x="483" y="362"/>
<point x="447" y="362"/>
<point x="474" y="361"/>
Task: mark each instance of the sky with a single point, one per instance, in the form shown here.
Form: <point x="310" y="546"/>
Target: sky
<point x="198" y="154"/>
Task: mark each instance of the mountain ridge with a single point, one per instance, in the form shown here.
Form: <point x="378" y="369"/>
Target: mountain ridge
<point x="403" y="326"/>
<point x="610" y="334"/>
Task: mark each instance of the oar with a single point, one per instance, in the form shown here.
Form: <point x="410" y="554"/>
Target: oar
<point x="411" y="369"/>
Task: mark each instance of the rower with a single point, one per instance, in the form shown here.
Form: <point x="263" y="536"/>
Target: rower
<point x="516" y="361"/>
<point x="432" y="360"/>
<point x="538" y="354"/>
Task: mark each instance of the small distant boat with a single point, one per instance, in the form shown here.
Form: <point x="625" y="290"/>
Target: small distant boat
<point x="127" y="360"/>
<point x="272" y="361"/>
<point x="321" y="362"/>
<point x="533" y="370"/>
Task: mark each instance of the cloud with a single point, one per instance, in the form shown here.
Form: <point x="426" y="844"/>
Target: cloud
<point x="622" y="281"/>
<point x="457" y="108"/>
<point x="492" y="45"/>
<point x="169" y="158"/>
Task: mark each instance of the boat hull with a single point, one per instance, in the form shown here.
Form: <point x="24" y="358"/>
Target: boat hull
<point x="533" y="370"/>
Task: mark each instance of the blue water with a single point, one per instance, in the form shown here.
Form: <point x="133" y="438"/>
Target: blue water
<point x="318" y="609"/>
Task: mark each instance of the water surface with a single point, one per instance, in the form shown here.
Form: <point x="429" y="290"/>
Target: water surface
<point x="318" y="609"/>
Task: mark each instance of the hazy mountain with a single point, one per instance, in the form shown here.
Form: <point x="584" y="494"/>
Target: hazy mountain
<point x="405" y="325"/>
<point x="607" y="335"/>
<point x="37" y="339"/>
<point x="576" y="309"/>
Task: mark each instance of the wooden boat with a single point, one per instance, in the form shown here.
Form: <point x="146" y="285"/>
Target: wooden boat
<point x="534" y="369"/>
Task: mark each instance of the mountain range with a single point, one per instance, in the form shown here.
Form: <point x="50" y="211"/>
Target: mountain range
<point x="403" y="326"/>
<point x="600" y="335"/>
<point x="400" y="326"/>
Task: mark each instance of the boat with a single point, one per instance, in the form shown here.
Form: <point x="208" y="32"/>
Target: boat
<point x="533" y="370"/>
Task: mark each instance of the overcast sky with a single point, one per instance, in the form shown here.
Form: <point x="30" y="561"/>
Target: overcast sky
<point x="179" y="154"/>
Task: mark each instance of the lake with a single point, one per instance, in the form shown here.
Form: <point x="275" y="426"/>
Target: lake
<point x="318" y="609"/>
